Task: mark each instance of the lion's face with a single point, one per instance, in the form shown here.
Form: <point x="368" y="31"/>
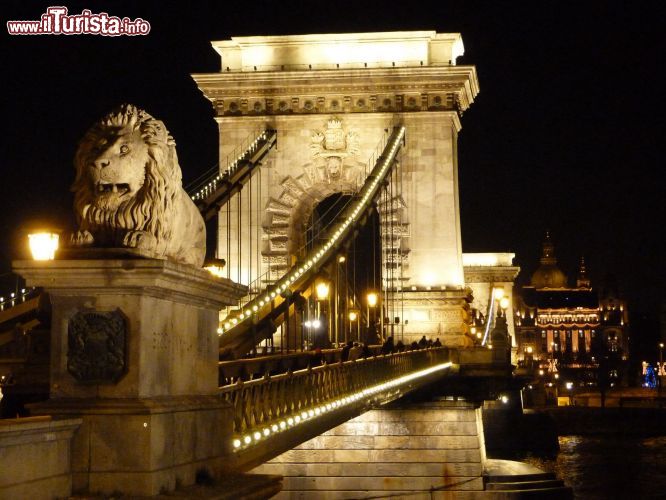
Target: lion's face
<point x="116" y="168"/>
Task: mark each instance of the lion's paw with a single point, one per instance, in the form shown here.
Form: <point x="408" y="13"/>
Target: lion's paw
<point x="81" y="239"/>
<point x="140" y="240"/>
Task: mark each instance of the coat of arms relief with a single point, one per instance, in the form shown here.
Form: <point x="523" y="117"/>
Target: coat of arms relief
<point x="334" y="155"/>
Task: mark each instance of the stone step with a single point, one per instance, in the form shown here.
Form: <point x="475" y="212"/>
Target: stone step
<point x="525" y="485"/>
<point x="512" y="478"/>
<point x="557" y="493"/>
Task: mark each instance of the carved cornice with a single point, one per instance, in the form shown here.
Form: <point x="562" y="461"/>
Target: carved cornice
<point x="340" y="91"/>
<point x="490" y="274"/>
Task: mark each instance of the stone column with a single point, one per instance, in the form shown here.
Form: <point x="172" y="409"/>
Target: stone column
<point x="134" y="353"/>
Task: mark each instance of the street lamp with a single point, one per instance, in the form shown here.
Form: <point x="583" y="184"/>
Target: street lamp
<point x="337" y="314"/>
<point x="322" y="290"/>
<point x="312" y="326"/>
<point x="569" y="386"/>
<point x="353" y="316"/>
<point x="43" y="245"/>
<point x="372" y="302"/>
<point x="215" y="267"/>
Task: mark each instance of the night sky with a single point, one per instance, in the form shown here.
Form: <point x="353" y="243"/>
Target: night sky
<point x="565" y="134"/>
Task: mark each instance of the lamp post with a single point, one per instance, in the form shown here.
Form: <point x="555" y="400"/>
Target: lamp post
<point x="569" y="386"/>
<point x="336" y="305"/>
<point x="322" y="289"/>
<point x="353" y="316"/>
<point x="661" y="366"/>
<point x="372" y="302"/>
<point x="504" y="304"/>
<point x="312" y="327"/>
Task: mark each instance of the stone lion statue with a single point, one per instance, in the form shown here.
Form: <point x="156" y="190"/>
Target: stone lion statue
<point x="128" y="190"/>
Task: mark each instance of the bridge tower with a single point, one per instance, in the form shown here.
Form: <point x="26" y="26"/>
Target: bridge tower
<point x="331" y="99"/>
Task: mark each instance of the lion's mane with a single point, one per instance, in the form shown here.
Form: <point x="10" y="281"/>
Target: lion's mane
<point x="152" y="208"/>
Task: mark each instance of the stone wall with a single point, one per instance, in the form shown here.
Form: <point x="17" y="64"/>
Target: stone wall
<point x="413" y="450"/>
<point x="35" y="457"/>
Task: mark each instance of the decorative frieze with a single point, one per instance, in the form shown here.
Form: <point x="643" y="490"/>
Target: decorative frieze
<point x="423" y="89"/>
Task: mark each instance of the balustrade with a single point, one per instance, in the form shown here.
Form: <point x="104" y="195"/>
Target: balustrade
<point x="262" y="402"/>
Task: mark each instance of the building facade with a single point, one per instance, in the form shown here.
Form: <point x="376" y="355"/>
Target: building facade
<point x="572" y="328"/>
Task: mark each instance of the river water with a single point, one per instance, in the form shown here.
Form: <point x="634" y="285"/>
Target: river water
<point x="610" y="467"/>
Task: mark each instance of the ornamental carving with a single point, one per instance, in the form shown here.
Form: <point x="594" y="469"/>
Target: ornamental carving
<point x="97" y="343"/>
<point x="334" y="153"/>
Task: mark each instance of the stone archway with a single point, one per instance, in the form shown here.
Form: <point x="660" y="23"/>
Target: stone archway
<point x="287" y="214"/>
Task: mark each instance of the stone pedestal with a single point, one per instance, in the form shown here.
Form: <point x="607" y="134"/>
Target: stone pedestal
<point x="134" y="352"/>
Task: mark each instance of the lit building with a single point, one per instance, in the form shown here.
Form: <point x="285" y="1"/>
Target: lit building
<point x="570" y="328"/>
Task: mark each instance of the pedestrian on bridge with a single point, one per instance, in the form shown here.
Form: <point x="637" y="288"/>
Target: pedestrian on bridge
<point x="388" y="347"/>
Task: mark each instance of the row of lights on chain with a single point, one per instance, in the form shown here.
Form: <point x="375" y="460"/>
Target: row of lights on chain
<point x="254" y="305"/>
<point x="284" y="424"/>
<point x="212" y="185"/>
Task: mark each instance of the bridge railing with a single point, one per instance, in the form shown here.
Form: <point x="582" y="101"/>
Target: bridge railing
<point x="273" y="402"/>
<point x="279" y="362"/>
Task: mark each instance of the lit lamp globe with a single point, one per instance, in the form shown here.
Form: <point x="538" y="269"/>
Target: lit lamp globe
<point x="352" y="315"/>
<point x="372" y="299"/>
<point x="43" y="244"/>
<point x="322" y="291"/>
<point x="498" y="293"/>
<point x="215" y="267"/>
<point x="504" y="303"/>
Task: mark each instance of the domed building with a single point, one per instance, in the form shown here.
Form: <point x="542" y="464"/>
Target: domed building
<point x="559" y="327"/>
<point x="548" y="275"/>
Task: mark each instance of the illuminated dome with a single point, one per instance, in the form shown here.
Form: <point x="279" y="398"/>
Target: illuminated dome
<point x="548" y="275"/>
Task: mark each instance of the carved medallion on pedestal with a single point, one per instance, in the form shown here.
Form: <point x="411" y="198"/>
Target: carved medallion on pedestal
<point x="96" y="346"/>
